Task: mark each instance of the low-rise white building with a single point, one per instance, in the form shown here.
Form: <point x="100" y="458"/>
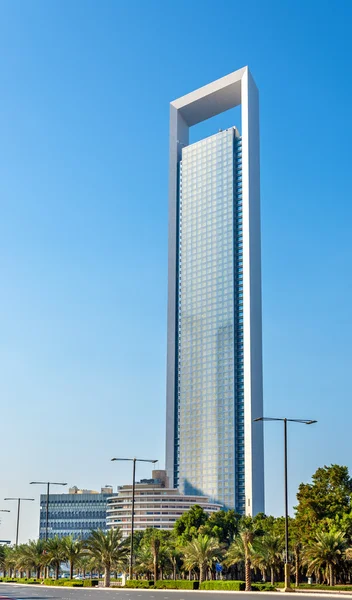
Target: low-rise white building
<point x="156" y="505"/>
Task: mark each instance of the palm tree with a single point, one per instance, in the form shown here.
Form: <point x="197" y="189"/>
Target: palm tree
<point x="84" y="563"/>
<point x="324" y="553"/>
<point x="241" y="549"/>
<point x="236" y="553"/>
<point x="2" y="557"/>
<point x="201" y="552"/>
<point x="154" y="538"/>
<point x="32" y="557"/>
<point x="144" y="560"/>
<point x="108" y="549"/>
<point x="270" y="547"/>
<point x="55" y="553"/>
<point x="10" y="560"/>
<point x="73" y="551"/>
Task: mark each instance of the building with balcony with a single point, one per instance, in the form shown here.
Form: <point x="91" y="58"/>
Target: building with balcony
<point x="156" y="505"/>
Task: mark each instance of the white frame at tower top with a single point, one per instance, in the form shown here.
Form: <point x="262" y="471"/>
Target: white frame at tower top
<point x="237" y="88"/>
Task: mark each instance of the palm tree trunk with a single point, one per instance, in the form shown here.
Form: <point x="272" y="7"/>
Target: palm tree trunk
<point x="71" y="569"/>
<point x="38" y="573"/>
<point x="297" y="565"/>
<point x="201" y="574"/>
<point x="272" y="575"/>
<point x="155" y="563"/>
<point x="248" y="575"/>
<point x="331" y="575"/>
<point x="107" y="576"/>
<point x="174" y="571"/>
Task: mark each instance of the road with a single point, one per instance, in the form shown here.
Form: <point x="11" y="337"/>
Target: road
<point x="12" y="591"/>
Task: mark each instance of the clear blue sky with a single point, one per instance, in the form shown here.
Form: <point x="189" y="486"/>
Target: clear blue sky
<point x="84" y="106"/>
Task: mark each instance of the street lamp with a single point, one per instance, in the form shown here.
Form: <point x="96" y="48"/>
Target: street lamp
<point x="285" y="421"/>
<point x="48" y="484"/>
<point x="4" y="510"/>
<point x="134" y="460"/>
<point x="18" y="512"/>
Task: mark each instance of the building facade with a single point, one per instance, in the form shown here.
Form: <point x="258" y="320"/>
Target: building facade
<point x="214" y="364"/>
<point x="75" y="513"/>
<point x="155" y="505"/>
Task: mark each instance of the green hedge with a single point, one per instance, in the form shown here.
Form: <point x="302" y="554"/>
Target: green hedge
<point x="90" y="582"/>
<point x="19" y="580"/>
<point x="139" y="583"/>
<point x="235" y="586"/>
<point x="263" y="587"/>
<point x="178" y="584"/>
<point x="170" y="584"/>
<point x="65" y="582"/>
<point x="316" y="586"/>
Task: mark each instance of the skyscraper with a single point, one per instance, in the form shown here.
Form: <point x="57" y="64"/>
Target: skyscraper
<point x="214" y="344"/>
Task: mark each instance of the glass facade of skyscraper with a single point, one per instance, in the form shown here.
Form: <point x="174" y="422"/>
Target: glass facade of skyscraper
<point x="209" y="423"/>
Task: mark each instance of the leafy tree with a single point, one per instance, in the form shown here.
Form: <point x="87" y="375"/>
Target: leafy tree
<point x="201" y="552"/>
<point x="327" y="497"/>
<point x="108" y="549"/>
<point x="222" y="525"/>
<point x="324" y="553"/>
<point x="188" y="525"/>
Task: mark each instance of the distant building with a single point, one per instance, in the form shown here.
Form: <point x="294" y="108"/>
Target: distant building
<point x="156" y="505"/>
<point x="75" y="513"/>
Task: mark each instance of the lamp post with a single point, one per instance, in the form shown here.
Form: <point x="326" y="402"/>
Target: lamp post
<point x="18" y="513"/>
<point x="134" y="460"/>
<point x="48" y="484"/>
<point x="285" y="421"/>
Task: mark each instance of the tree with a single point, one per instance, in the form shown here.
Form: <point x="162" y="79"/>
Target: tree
<point x="85" y="563"/>
<point x="55" y="553"/>
<point x="242" y="547"/>
<point x="108" y="549"/>
<point x="324" y="553"/>
<point x="2" y="557"/>
<point x="73" y="550"/>
<point x="201" y="552"/>
<point x="144" y="560"/>
<point x="329" y="496"/>
<point x="222" y="525"/>
<point x="154" y="538"/>
<point x="32" y="556"/>
<point x="269" y="548"/>
<point x="188" y="525"/>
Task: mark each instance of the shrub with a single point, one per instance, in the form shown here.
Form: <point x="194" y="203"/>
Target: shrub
<point x="235" y="586"/>
<point x="178" y="584"/>
<point x="139" y="583"/>
<point x="263" y="587"/>
<point x="90" y="582"/>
